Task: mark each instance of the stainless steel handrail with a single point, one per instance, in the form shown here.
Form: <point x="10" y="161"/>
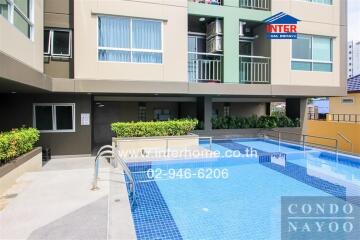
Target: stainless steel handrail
<point x="304" y="136"/>
<point x="105" y="153"/>
<point x="347" y="140"/>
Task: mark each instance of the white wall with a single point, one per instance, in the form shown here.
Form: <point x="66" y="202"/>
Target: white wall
<point x="316" y="19"/>
<point x="174" y="17"/>
<point x="353" y="58"/>
<point x="18" y="46"/>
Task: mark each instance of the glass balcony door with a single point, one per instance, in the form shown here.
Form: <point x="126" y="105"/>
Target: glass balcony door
<point x="196" y="44"/>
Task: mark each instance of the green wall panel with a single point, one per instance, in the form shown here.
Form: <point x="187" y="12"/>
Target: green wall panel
<point x="231" y="14"/>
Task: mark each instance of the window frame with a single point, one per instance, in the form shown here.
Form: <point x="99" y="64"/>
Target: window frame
<point x="12" y="7"/>
<point x="50" y="52"/>
<point x="320" y="3"/>
<point x="226" y="110"/>
<point x="54" y="117"/>
<point x="312" y="61"/>
<point x="347" y="98"/>
<point x="131" y="49"/>
<point x="49" y="42"/>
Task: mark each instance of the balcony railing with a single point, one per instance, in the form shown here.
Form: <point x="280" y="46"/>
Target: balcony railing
<point x="205" y="67"/>
<point x="335" y="117"/>
<point x="352" y="118"/>
<point x="256" y="4"/>
<point x="213" y="2"/>
<point x="254" y="69"/>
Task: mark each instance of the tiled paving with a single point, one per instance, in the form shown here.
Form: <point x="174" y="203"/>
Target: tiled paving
<point x="57" y="203"/>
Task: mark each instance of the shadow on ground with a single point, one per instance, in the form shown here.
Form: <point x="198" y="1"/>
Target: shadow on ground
<point x="88" y="222"/>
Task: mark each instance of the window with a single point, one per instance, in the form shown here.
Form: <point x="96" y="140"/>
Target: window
<point x="327" y="2"/>
<point x="4" y="8"/>
<point x="162" y="114"/>
<point x="347" y="100"/>
<point x="226" y="109"/>
<point x="245" y="48"/>
<point x="196" y="44"/>
<point x="142" y="111"/>
<point x="312" y="53"/>
<point x="57" y="42"/>
<point x="123" y="39"/>
<point x="57" y="117"/>
<point x="19" y="13"/>
<point x="47" y="41"/>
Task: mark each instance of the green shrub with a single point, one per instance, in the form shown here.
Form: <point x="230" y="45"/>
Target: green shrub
<point x="150" y="129"/>
<point x="254" y="122"/>
<point x="17" y="142"/>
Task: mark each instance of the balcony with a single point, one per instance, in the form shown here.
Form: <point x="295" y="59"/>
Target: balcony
<point x="205" y="67"/>
<point x="251" y="4"/>
<point x="256" y="4"/>
<point x="211" y="2"/>
<point x="254" y="69"/>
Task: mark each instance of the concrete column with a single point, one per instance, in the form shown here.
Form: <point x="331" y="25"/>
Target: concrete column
<point x="231" y="49"/>
<point x="293" y="108"/>
<point x="303" y="114"/>
<point x="200" y="109"/>
<point x="207" y="113"/>
<point x="296" y="108"/>
<point x="268" y="108"/>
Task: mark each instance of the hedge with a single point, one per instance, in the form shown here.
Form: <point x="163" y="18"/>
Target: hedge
<point x="150" y="129"/>
<point x="17" y="142"/>
<point x="254" y="122"/>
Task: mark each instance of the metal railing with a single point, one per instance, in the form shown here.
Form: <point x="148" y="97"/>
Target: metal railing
<point x="317" y="116"/>
<point x="205" y="67"/>
<point x="347" y="140"/>
<point x="256" y="4"/>
<point x="212" y="2"/>
<point x="108" y="152"/>
<point x="354" y="118"/>
<point x="305" y="137"/>
<point x="254" y="69"/>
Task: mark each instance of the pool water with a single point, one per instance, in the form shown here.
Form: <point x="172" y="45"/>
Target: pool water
<point x="244" y="202"/>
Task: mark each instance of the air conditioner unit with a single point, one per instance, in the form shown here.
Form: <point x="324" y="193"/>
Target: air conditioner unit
<point x="214" y="28"/>
<point x="214" y="44"/>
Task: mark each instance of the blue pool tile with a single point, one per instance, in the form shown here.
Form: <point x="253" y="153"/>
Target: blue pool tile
<point x="151" y="215"/>
<point x="229" y="144"/>
<point x="300" y="173"/>
<point x="346" y="160"/>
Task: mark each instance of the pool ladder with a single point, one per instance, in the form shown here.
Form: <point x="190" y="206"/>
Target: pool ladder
<point x="110" y="153"/>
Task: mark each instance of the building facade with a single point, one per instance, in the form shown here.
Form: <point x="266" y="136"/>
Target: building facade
<point x="353" y="58"/>
<point x="70" y="68"/>
<point x="342" y="121"/>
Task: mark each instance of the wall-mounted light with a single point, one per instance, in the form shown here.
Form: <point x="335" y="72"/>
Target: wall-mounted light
<point x="202" y="19"/>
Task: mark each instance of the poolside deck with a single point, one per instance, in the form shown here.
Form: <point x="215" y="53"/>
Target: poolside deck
<point x="57" y="203"/>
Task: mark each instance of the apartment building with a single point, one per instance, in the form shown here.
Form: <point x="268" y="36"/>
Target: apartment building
<point x="353" y="58"/>
<point x="70" y="68"/>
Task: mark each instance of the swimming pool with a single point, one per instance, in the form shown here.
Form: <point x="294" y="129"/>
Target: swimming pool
<point x="235" y="197"/>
